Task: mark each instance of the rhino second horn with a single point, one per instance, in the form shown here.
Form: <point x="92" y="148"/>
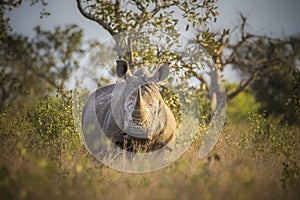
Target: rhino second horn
<point x="139" y="111"/>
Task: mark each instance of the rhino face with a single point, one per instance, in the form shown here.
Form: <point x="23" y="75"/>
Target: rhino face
<point x="143" y="114"/>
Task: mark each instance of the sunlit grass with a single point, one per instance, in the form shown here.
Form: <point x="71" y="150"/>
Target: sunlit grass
<point x="33" y="166"/>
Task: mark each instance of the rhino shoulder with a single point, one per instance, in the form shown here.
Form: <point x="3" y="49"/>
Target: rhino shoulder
<point x="97" y="97"/>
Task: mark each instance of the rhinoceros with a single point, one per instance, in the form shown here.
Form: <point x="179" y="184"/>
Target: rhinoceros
<point x="132" y="113"/>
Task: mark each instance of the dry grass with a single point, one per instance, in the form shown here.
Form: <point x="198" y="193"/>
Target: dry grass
<point x="34" y="167"/>
<point x="231" y="172"/>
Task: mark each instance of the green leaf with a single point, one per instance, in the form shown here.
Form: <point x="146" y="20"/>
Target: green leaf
<point x="187" y="27"/>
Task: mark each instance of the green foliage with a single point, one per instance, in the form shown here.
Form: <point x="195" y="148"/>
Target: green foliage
<point x="33" y="67"/>
<point x="204" y="107"/>
<point x="53" y="123"/>
<point x="47" y="127"/>
<point x="273" y="91"/>
<point x="118" y="16"/>
<point x="274" y="139"/>
<point x="295" y="96"/>
<point x="172" y="101"/>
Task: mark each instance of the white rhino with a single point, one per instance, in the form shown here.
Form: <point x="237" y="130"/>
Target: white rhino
<point x="132" y="113"/>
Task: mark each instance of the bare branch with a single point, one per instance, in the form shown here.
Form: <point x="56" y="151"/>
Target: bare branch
<point x="117" y="8"/>
<point x="275" y="53"/>
<point x="243" y="32"/>
<point x="243" y="85"/>
<point x="130" y="53"/>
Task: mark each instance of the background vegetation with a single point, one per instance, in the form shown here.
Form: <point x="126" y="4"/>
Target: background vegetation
<point x="257" y="155"/>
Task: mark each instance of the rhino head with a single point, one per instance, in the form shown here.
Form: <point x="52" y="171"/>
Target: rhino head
<point x="138" y="108"/>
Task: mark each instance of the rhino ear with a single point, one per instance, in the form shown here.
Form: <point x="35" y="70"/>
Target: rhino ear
<point x="122" y="68"/>
<point x="162" y="73"/>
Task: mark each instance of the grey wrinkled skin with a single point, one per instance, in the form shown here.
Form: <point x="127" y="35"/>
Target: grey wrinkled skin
<point x="131" y="113"/>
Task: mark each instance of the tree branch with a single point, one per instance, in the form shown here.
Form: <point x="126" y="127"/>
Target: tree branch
<point x="157" y="8"/>
<point x="93" y="18"/>
<point x="130" y="53"/>
<point x="243" y="85"/>
<point x="200" y="77"/>
<point x="243" y="32"/>
<point x="147" y="15"/>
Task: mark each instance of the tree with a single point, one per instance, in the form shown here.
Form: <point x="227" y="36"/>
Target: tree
<point x="273" y="91"/>
<point x="266" y="65"/>
<point x="117" y="17"/>
<point x="254" y="55"/>
<point x="36" y="66"/>
<point x="33" y="67"/>
<point x="11" y="4"/>
<point x="258" y="56"/>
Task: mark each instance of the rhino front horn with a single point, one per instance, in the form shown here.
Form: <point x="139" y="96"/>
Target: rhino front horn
<point x="139" y="111"/>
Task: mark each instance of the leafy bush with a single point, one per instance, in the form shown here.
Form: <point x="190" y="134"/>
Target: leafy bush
<point x="274" y="139"/>
<point x="53" y="123"/>
<point x="45" y="127"/>
<point x="295" y="96"/>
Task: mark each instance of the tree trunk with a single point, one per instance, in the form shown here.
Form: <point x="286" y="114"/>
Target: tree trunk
<point x="217" y="92"/>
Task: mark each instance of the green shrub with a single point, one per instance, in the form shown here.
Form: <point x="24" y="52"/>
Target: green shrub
<point x="44" y="127"/>
<point x="53" y="123"/>
<point x="271" y="138"/>
<point x="295" y="94"/>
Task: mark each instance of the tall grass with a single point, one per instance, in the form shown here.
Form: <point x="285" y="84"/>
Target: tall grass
<point x="42" y="158"/>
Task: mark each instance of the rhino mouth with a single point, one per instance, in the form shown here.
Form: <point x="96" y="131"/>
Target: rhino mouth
<point x="137" y="130"/>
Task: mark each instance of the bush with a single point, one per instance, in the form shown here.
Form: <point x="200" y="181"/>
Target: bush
<point x="45" y="127"/>
<point x="271" y="138"/>
<point x="53" y="123"/>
